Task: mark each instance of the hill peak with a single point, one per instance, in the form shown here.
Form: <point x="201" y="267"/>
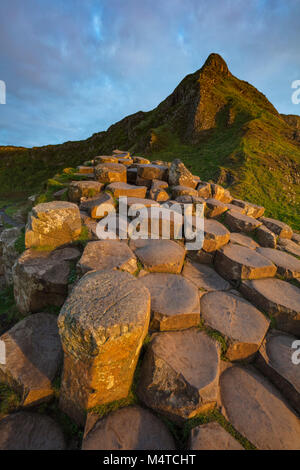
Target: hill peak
<point x="216" y="64"/>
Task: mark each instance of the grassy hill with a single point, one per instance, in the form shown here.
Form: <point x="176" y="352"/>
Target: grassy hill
<point x="221" y="127"/>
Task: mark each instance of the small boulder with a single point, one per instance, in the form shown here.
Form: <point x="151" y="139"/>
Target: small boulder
<point x="215" y="235"/>
<point x="218" y="192"/>
<point x="98" y="206"/>
<point x="141" y="160"/>
<point x="214" y="208"/>
<point x="183" y="191"/>
<point x="289" y="246"/>
<point x="180" y="374"/>
<point x="85" y="170"/>
<point x="179" y="175"/>
<point x="147" y="432"/>
<point x="204" y="190"/>
<point x="53" y="224"/>
<point x="252" y="210"/>
<point x="151" y="172"/>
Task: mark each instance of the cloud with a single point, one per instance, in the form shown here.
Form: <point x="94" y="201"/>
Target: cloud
<point x="74" y="67"/>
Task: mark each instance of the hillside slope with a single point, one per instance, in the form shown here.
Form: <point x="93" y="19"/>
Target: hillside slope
<point x="221" y="127"/>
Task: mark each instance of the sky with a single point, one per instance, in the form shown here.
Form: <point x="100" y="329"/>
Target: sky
<point x="74" y="67"/>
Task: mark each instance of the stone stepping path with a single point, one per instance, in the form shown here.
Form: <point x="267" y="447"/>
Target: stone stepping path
<point x="204" y="277"/>
<point x="289" y="246"/>
<point x="258" y="411"/>
<point x="30" y="431"/>
<point x="275" y="362"/>
<point x="243" y="326"/>
<point x="190" y="360"/>
<point x="212" y="436"/>
<point x="147" y="432"/>
<point x="33" y="357"/>
<point x="277" y="298"/>
<point x="238" y="222"/>
<point x="123" y="189"/>
<point x="102" y="327"/>
<point x="280" y="228"/>
<point x="161" y="256"/>
<point x="236" y="262"/>
<point x="174" y="301"/>
<point x="110" y="172"/>
<point x="243" y="240"/>
<point x="105" y="255"/>
<point x="287" y="265"/>
<point x="215" y="235"/>
<point x="41" y="278"/>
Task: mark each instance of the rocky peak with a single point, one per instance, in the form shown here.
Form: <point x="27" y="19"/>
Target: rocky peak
<point x="215" y="64"/>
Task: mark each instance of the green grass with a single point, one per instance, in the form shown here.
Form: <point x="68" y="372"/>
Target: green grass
<point x="20" y="242"/>
<point x="217" y="336"/>
<point x="9" y="400"/>
<point x="9" y="314"/>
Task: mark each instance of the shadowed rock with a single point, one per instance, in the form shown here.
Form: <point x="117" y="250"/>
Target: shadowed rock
<point x="243" y="240"/>
<point x="98" y="206"/>
<point x="147" y="432"/>
<point x="280" y="228"/>
<point x="258" y="411"/>
<point x="41" y="278"/>
<point x="215" y="235"/>
<point x="79" y="189"/>
<point x="289" y="246"/>
<point x="221" y="194"/>
<point x="238" y="222"/>
<point x="204" y="277"/>
<point x="287" y="265"/>
<point x="33" y="357"/>
<point x="266" y="237"/>
<point x="252" y="210"/>
<point x="30" y="431"/>
<point x="180" y="374"/>
<point x="102" y="327"/>
<point x="212" y="436"/>
<point x="279" y="299"/>
<point x="179" y="175"/>
<point x="236" y="262"/>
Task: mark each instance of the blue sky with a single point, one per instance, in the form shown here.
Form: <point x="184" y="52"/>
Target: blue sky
<point x="74" y="67"/>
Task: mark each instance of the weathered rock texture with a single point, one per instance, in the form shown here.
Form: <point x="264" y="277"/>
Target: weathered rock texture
<point x="33" y="357"/>
<point x="180" y="374"/>
<point x="52" y="224"/>
<point x="147" y="432"/>
<point x="107" y="254"/>
<point x="110" y="172"/>
<point x="164" y="256"/>
<point x="204" y="277"/>
<point x="174" y="301"/>
<point x="102" y="327"/>
<point x="41" y="278"/>
<point x="287" y="265"/>
<point x="179" y="175"/>
<point x="258" y="411"/>
<point x="30" y="431"/>
<point x="277" y="298"/>
<point x="212" y="436"/>
<point x="79" y="189"/>
<point x="243" y="326"/>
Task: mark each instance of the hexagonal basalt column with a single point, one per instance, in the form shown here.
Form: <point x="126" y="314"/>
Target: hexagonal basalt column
<point x="102" y="327"/>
